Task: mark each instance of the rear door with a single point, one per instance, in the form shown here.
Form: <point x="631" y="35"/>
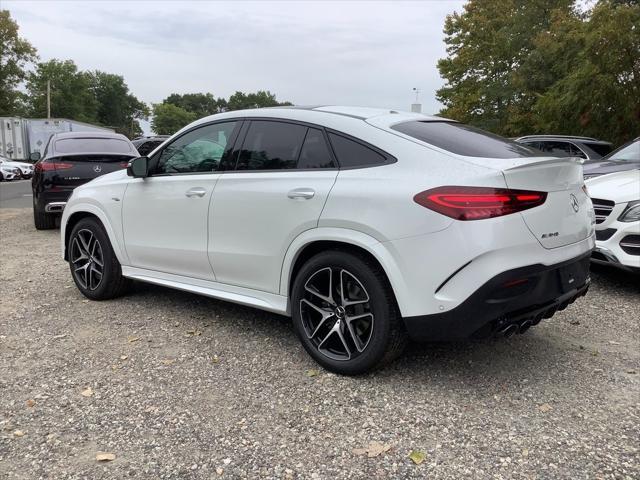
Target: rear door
<point x="165" y="216"/>
<point x="282" y="177"/>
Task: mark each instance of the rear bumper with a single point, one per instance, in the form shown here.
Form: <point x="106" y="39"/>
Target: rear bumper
<point x="518" y="297"/>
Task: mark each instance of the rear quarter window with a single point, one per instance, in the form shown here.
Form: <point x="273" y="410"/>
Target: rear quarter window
<point x="464" y="140"/>
<point x="92" y="145"/>
<point x="352" y="154"/>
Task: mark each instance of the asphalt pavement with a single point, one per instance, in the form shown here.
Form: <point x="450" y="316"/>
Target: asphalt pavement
<point x="15" y="194"/>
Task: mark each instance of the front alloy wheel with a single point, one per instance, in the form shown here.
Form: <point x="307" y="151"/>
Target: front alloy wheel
<point x="87" y="261"/>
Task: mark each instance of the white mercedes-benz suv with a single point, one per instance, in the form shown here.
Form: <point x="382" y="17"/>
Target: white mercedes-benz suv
<point x="367" y="226"/>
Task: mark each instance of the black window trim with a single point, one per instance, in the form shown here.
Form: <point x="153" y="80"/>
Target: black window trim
<point x="239" y="135"/>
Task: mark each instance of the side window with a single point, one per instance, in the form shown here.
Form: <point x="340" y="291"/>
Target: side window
<point x="559" y="149"/>
<point x="354" y="154"/>
<point x="315" y="152"/>
<point x="576" y="152"/>
<point x="147" y="147"/>
<point x="200" y="150"/>
<point x="271" y="145"/>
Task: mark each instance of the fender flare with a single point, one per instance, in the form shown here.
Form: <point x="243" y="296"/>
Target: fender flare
<point x="96" y="211"/>
<point x="380" y="251"/>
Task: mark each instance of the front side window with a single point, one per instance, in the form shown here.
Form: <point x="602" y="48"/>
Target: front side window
<point x="271" y="145"/>
<point x="200" y="150"/>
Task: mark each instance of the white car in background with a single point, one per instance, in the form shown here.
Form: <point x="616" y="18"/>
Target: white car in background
<point x="8" y="172"/>
<point x="366" y="226"/>
<point x="616" y="200"/>
<point x="25" y="170"/>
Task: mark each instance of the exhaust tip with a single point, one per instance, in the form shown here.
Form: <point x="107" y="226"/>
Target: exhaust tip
<point x="524" y="326"/>
<point x="509" y="330"/>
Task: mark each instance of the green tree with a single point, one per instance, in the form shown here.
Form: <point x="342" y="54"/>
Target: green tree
<point x="71" y="93"/>
<point x="486" y="45"/>
<point x="598" y="93"/>
<point x="542" y="66"/>
<point x="15" y="54"/>
<point x="168" y="119"/>
<point x="202" y="104"/>
<point x="259" y="99"/>
<point x="116" y="106"/>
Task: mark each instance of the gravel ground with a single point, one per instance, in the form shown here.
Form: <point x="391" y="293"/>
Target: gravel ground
<point x="180" y="386"/>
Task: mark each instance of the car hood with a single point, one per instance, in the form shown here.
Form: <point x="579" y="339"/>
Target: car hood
<point x="621" y="187"/>
<point x="17" y="164"/>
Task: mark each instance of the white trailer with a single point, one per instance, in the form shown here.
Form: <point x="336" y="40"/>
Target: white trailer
<point x="20" y="137"/>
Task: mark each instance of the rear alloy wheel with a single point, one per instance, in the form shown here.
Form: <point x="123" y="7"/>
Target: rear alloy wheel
<point x="93" y="263"/>
<point x="345" y="314"/>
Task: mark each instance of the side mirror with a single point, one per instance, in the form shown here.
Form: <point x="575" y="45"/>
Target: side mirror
<point x="34" y="157"/>
<point x="138" y="167"/>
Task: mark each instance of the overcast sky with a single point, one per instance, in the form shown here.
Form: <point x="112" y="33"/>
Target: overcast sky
<point x="356" y="53"/>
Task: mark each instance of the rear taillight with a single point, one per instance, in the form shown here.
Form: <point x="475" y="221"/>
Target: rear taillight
<point x="477" y="203"/>
<point x="50" y="166"/>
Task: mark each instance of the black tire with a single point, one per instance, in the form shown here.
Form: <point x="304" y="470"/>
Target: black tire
<point x="43" y="220"/>
<point x="382" y="338"/>
<point x="111" y="283"/>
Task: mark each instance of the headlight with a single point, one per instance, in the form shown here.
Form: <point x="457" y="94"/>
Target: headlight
<point x="631" y="213"/>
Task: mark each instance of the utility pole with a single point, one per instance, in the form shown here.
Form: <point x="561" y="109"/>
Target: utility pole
<point x="48" y="98"/>
<point x="416" y="107"/>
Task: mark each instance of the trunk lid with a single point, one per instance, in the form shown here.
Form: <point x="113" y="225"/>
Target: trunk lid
<point x="567" y="215"/>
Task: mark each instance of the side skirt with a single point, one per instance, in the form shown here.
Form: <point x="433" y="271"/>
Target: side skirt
<point x="245" y="296"/>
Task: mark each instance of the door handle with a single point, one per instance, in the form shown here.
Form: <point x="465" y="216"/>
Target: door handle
<point x="195" y="192"/>
<point x="301" y="193"/>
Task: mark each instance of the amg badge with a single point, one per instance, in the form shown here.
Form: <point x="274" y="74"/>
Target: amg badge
<point x="550" y="234"/>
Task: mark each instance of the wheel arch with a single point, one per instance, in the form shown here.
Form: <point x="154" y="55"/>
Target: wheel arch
<point x="315" y="241"/>
<point x="89" y="211"/>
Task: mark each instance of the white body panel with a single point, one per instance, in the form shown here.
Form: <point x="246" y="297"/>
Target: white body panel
<point x="166" y="230"/>
<point x="240" y="241"/>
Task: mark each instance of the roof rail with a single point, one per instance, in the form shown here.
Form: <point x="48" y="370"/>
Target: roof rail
<point x="576" y="137"/>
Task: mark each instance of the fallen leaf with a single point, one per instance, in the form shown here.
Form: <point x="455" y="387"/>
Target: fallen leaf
<point x="87" y="392"/>
<point x="31" y="403"/>
<point x="219" y="471"/>
<point x="525" y="453"/>
<point x="123" y="357"/>
<point x="105" y="457"/>
<point x="374" y="449"/>
<point x="575" y="322"/>
<point x="215" y="359"/>
<point x="132" y="339"/>
<point x="18" y="433"/>
<point x="194" y="332"/>
<point x="168" y="361"/>
<point x="312" y="373"/>
<point x="545" y="407"/>
<point x="417" y="456"/>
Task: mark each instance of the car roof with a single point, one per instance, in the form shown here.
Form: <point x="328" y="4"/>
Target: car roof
<point x="348" y="119"/>
<point x="91" y="134"/>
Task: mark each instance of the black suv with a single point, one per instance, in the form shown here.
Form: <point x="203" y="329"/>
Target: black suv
<point x="145" y="145"/>
<point x="568" y="146"/>
<point x="69" y="160"/>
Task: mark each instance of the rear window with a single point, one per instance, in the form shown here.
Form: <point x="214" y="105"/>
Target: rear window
<point x="92" y="145"/>
<point x="465" y="140"/>
<point x="600" y="148"/>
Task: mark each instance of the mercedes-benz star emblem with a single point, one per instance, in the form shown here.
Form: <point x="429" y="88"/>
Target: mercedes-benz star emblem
<point x="98" y="169"/>
<point x="574" y="203"/>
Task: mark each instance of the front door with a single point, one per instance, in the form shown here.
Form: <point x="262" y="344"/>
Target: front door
<point x="165" y="216"/>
